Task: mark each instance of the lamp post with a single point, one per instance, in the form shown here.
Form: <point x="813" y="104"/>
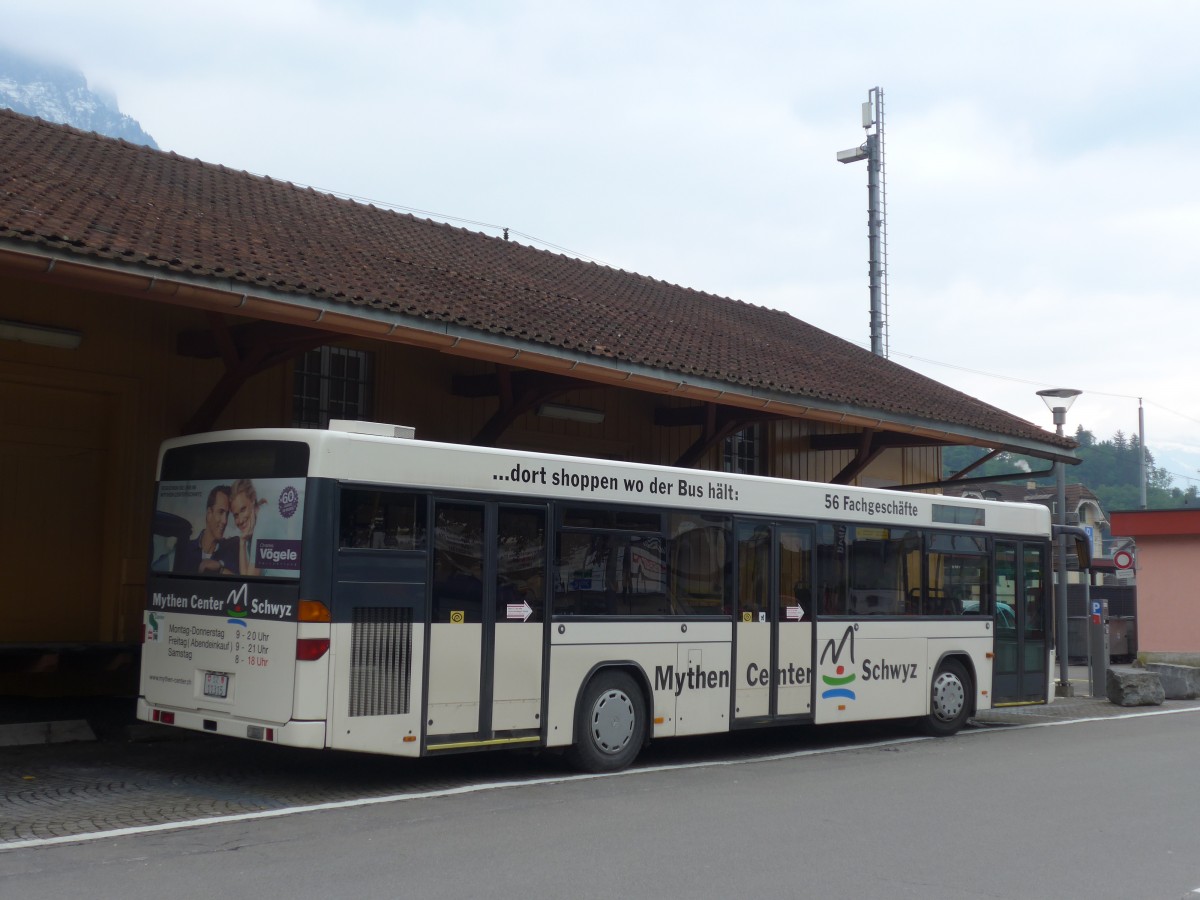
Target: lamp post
<point x="872" y="152"/>
<point x="1059" y="400"/>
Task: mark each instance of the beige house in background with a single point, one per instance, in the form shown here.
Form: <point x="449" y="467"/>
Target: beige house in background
<point x="1168" y="548"/>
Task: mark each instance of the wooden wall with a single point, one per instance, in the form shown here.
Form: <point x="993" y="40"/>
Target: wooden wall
<point x="79" y="432"/>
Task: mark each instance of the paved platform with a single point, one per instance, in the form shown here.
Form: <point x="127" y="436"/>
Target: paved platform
<point x="1066" y="708"/>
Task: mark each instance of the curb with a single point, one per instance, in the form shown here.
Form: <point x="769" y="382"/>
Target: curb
<point x="58" y="732"/>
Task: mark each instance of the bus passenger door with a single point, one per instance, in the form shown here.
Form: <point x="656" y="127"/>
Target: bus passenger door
<point x="1020" y="673"/>
<point x="486" y="623"/>
<point x="793" y="633"/>
<point x="458" y="618"/>
<point x="520" y="615"/>
<point x="773" y="627"/>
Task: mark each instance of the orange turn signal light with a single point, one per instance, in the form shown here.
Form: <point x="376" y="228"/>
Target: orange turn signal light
<point x="313" y="611"/>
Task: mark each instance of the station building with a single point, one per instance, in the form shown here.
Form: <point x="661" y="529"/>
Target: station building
<point x="145" y="295"/>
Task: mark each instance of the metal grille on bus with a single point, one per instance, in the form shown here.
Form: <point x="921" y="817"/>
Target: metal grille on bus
<point x="380" y="661"/>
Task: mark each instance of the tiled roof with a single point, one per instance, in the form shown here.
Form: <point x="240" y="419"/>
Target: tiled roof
<point x="81" y="193"/>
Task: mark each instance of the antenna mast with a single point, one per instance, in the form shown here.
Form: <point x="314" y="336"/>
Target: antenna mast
<point x="872" y="152"/>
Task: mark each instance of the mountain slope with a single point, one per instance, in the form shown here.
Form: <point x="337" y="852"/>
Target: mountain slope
<point x="59" y="94"/>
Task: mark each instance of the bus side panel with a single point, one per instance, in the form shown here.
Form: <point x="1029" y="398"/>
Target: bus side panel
<point x="883" y="670"/>
<point x="702" y="698"/>
<point x="378" y="651"/>
<point x="662" y="651"/>
<point x="870" y="670"/>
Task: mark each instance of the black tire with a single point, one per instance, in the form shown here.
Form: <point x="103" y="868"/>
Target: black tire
<point x="610" y="723"/>
<point x="950" y="697"/>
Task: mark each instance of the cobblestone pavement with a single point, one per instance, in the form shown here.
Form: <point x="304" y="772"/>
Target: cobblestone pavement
<point x="139" y="774"/>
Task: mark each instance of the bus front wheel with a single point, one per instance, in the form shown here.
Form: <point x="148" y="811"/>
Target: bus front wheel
<point x="949" y="699"/>
<point x="610" y="723"/>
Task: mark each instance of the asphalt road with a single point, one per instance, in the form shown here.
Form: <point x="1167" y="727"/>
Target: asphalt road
<point x="1096" y="809"/>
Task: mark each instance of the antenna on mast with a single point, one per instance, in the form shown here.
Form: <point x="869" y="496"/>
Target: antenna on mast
<point x="872" y="152"/>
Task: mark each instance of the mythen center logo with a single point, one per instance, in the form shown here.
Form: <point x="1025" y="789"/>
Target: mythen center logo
<point x="836" y="684"/>
<point x="237" y="607"/>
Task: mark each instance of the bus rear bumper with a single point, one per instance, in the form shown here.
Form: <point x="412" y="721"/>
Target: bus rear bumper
<point x="288" y="734"/>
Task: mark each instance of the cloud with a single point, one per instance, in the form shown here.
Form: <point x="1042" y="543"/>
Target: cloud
<point x="1041" y="213"/>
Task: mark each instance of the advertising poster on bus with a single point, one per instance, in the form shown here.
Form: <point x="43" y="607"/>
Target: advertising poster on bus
<point x="241" y="527"/>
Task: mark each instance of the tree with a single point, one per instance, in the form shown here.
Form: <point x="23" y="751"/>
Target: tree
<point x="1111" y="469"/>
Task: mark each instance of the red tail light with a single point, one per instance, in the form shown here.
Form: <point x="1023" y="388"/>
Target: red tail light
<point x="309" y="649"/>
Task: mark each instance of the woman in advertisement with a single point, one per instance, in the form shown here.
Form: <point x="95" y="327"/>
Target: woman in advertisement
<point x="245" y="506"/>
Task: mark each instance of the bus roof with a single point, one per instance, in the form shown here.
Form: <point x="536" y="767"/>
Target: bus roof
<point x="373" y="455"/>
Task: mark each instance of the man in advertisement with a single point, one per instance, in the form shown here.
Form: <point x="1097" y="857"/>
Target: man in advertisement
<point x="210" y="552"/>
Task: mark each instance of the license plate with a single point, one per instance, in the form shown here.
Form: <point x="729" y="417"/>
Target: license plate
<point x="216" y="684"/>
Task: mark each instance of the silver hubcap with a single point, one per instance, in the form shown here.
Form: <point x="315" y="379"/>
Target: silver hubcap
<point x="613" y="718"/>
<point x="949" y="696"/>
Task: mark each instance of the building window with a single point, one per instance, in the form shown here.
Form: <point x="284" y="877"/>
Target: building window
<point x="331" y="383"/>
<point x="743" y="452"/>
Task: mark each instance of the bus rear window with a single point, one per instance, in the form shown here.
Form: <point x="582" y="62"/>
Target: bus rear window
<point x="227" y="460"/>
<point x="211" y="519"/>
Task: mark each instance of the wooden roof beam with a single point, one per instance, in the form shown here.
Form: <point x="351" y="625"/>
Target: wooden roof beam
<point x="518" y="391"/>
<point x="244" y="360"/>
<point x="719" y="423"/>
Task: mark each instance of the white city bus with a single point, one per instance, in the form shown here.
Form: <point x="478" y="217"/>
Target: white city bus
<point x="358" y="589"/>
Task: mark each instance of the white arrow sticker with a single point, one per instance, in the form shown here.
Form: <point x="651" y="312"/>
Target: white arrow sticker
<point x="520" y="610"/>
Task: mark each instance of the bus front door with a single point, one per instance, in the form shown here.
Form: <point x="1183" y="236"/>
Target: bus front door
<point x="487" y="613"/>
<point x="773" y="626"/>
<point x="1022" y="615"/>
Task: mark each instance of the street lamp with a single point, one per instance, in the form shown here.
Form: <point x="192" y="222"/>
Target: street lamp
<point x="872" y="152"/>
<point x="1058" y="401"/>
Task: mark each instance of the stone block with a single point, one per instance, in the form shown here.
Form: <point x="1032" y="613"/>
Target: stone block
<point x="1179" y="682"/>
<point x="1133" y="687"/>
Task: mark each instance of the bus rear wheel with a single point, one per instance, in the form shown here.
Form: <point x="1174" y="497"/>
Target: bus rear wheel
<point x="949" y="699"/>
<point x="610" y="724"/>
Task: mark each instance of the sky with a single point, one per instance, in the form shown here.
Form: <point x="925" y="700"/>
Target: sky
<point x="1042" y="202"/>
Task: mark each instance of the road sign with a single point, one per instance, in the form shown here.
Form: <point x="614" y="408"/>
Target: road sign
<point x="1123" y="559"/>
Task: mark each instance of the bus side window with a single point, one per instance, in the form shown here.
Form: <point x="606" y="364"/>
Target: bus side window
<point x="832" y="569"/>
<point x="698" y="566"/>
<point x="382" y="520"/>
